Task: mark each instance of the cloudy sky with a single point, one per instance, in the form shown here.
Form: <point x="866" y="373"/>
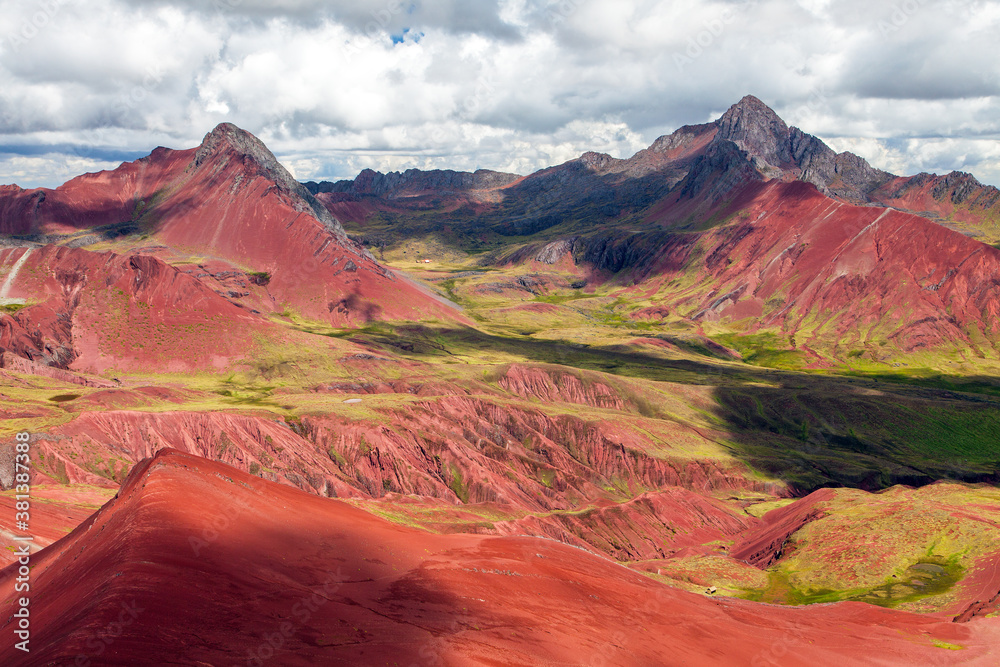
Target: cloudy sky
<point x="334" y="86"/>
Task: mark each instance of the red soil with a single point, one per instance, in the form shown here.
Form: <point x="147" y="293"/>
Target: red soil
<point x="763" y="545"/>
<point x="55" y="511"/>
<point x="454" y="447"/>
<point x="16" y="364"/>
<point x="651" y="314"/>
<point x="348" y="208"/>
<point x="560" y="386"/>
<point x="980" y="590"/>
<point x="538" y="308"/>
<point x="467" y="448"/>
<point x="123" y="438"/>
<point x="198" y="563"/>
<point x="653" y="526"/>
<point x="102" y="310"/>
<point x="230" y="199"/>
<point x="955" y="196"/>
<point x="799" y="258"/>
<point x="416" y="388"/>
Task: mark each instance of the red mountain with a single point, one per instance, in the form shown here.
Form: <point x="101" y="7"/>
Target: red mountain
<point x="643" y="450"/>
<point x="747" y="143"/>
<point x="194" y="562"/>
<point x="102" y="310"/>
<point x="231" y="200"/>
<point x="834" y="274"/>
<point x="755" y="225"/>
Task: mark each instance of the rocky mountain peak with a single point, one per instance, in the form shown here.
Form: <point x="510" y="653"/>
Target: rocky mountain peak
<point x="754" y="127"/>
<point x="777" y="151"/>
<point x="596" y="161"/>
<point x="228" y="139"/>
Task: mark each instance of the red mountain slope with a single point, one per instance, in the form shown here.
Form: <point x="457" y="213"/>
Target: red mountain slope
<point x="102" y="310"/>
<point x="197" y="563"/>
<point x="229" y="199"/>
<point x="90" y="200"/>
<point x="957" y="196"/>
<point x="837" y="274"/>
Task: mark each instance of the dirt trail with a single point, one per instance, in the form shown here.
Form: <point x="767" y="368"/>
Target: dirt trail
<point x="9" y="282"/>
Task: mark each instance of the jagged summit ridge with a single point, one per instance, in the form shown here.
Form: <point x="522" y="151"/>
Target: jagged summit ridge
<point x="371" y="182"/>
<point x="757" y="129"/>
<point x="229" y="137"/>
<point x="695" y="167"/>
<point x="777" y="150"/>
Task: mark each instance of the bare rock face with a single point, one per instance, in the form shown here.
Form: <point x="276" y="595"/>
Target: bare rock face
<point x="956" y="186"/>
<point x="957" y="196"/>
<point x="415" y="181"/>
<point x="7" y="465"/>
<point x="756" y="129"/>
<point x="678" y="139"/>
<point x="722" y="169"/>
<point x="843" y="175"/>
<point x="959" y="186"/>
<point x="553" y="252"/>
<point x="226" y="137"/>
<point x="776" y="149"/>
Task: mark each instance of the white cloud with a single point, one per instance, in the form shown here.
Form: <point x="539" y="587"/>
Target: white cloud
<point x="30" y="170"/>
<point x="333" y="87"/>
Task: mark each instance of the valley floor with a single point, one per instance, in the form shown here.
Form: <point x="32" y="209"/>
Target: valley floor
<point x="676" y="468"/>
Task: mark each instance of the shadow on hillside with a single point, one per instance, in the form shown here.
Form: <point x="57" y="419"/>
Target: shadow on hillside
<point x="821" y="431"/>
<point x="422" y="341"/>
<point x="566" y="201"/>
<point x="810" y="430"/>
<point x="255" y="585"/>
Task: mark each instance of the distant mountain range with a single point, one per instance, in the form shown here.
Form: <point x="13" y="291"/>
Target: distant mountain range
<point x="569" y="424"/>
<point x="764" y="226"/>
<point x="748" y="143"/>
